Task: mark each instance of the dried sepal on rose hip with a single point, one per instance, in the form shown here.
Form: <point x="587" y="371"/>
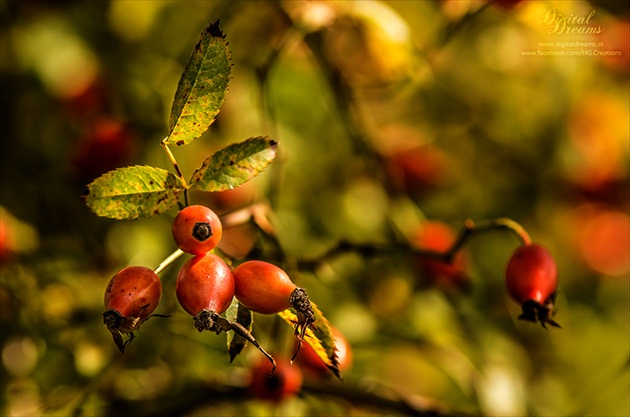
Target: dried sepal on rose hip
<point x="205" y="289"/>
<point x="267" y="289"/>
<point x="197" y="230"/>
<point x="531" y="279"/>
<point x="131" y="297"/>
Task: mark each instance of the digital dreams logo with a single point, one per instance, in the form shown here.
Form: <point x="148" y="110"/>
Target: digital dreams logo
<point x="559" y="24"/>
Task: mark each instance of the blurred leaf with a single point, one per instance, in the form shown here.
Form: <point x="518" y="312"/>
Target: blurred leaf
<point x="243" y="316"/>
<point x="201" y="88"/>
<point x="133" y="192"/>
<point x="16" y="235"/>
<point x="234" y="165"/>
<point x="321" y="338"/>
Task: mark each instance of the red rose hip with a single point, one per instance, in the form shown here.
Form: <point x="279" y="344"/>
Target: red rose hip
<point x="205" y="289"/>
<point x="438" y="236"/>
<point x="205" y="283"/>
<point x="267" y="289"/>
<point x="263" y="287"/>
<point x="197" y="230"/>
<point x="131" y="296"/>
<point x="531" y="279"/>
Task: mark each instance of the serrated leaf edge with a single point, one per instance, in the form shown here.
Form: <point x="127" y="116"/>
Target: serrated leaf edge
<point x="197" y="176"/>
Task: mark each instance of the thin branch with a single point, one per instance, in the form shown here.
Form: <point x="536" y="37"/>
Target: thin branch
<point x="217" y="393"/>
<point x="363" y="396"/>
<point x="369" y="250"/>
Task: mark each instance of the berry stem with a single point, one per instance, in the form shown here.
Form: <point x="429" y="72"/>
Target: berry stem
<point x="171" y="158"/>
<point x="169" y="260"/>
<point x="470" y="228"/>
<point x="500" y="223"/>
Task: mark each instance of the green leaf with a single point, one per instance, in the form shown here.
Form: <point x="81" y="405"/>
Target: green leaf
<point x="242" y="315"/>
<point x="201" y="88"/>
<point x="133" y="192"/>
<point x="320" y="339"/>
<point x="234" y="165"/>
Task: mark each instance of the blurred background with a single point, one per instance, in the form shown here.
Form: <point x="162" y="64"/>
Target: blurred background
<point x="391" y="116"/>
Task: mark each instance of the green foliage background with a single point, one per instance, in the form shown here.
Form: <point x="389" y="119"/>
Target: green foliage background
<point x="340" y="85"/>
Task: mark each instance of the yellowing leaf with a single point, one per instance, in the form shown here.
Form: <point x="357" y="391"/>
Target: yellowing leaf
<point x="201" y="89"/>
<point x="321" y="339"/>
<point x="133" y="192"/>
<point x="234" y="164"/>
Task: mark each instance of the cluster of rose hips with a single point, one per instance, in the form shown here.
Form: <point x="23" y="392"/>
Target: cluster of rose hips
<point x="205" y="287"/>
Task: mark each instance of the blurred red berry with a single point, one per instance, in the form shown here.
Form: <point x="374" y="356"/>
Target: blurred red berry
<point x="507" y="4"/>
<point x="603" y="239"/>
<point x="284" y="383"/>
<point x="313" y="364"/>
<point x="417" y="170"/>
<point x="107" y="145"/>
<point x="88" y="103"/>
<point x="439" y="237"/>
<point x="6" y="253"/>
<point x="616" y="38"/>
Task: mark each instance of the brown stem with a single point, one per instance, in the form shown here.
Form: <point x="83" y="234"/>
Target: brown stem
<point x="399" y="402"/>
<point x="358" y="395"/>
<point x="469" y="229"/>
<point x="211" y="321"/>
